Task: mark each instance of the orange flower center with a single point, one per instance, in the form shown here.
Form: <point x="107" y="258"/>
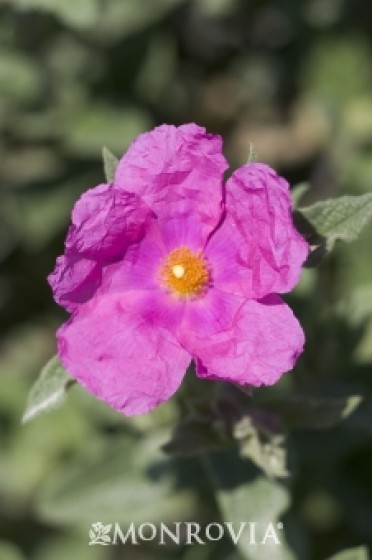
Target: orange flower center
<point x="184" y="272"/>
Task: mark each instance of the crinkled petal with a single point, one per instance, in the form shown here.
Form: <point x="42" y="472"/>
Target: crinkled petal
<point x="265" y="251"/>
<point x="74" y="281"/>
<point x="105" y="221"/>
<point x="228" y="270"/>
<point x="263" y="342"/>
<point x="177" y="171"/>
<point x="120" y="358"/>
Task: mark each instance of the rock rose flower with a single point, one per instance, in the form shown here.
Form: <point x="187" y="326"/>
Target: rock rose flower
<point x="168" y="264"/>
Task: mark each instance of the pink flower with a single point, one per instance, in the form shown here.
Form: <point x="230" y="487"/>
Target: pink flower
<point x="169" y="265"/>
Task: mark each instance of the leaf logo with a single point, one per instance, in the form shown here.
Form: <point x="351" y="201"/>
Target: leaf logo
<point x="99" y="534"/>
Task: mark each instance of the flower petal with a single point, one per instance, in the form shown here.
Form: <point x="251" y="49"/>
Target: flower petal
<point x="118" y="357"/>
<point x="265" y="250"/>
<point x="264" y="342"/>
<point x="74" y="281"/>
<point x="140" y="269"/>
<point x="228" y="270"/>
<point x="208" y="316"/>
<point x="105" y="221"/>
<point x="177" y="171"/>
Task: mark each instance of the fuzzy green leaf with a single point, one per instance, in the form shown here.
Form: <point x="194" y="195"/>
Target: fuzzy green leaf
<point x="340" y="218"/>
<point x="242" y="494"/>
<point x="49" y="390"/>
<point x="252" y="154"/>
<point x="270" y="455"/>
<point x="110" y="163"/>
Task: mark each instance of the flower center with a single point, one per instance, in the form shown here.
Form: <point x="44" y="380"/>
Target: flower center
<point x="184" y="272"/>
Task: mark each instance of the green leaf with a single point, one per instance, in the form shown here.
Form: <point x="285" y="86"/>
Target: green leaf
<point x="244" y="495"/>
<point x="110" y="163"/>
<point x="340" y="218"/>
<point x="128" y="482"/>
<point x="261" y="443"/>
<point x="360" y="553"/>
<point x="270" y="456"/>
<point x="49" y="390"/>
<point x="314" y="413"/>
<point x="252" y="154"/>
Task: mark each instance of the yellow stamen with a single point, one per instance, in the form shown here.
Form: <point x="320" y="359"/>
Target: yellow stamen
<point x="184" y="272"/>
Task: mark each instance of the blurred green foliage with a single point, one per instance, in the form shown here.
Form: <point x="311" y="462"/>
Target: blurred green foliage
<point x="293" y="78"/>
